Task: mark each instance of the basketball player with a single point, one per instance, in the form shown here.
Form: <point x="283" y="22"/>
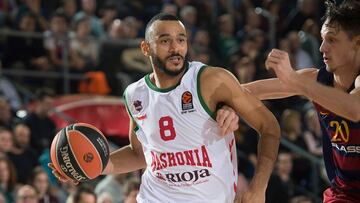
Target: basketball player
<point x="174" y="134"/>
<point x="335" y="91"/>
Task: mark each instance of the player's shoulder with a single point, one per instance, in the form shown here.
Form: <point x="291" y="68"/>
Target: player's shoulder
<point x="213" y="73"/>
<point x="309" y="72"/>
<point x="135" y="87"/>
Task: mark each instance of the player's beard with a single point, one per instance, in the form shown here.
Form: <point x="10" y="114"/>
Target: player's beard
<point x="162" y="67"/>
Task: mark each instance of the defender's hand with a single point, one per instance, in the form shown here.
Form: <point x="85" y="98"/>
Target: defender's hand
<point x="227" y="119"/>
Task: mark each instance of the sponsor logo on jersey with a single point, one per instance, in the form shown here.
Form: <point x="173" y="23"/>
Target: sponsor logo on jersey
<point x="189" y="177"/>
<point x="192" y="157"/>
<point x="348" y="149"/>
<point x="187" y="105"/>
<point x="197" y="157"/>
<point x="137" y="105"/>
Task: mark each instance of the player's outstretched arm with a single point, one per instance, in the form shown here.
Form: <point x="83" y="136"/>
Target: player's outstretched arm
<point x="268" y="89"/>
<point x="273" y="88"/>
<point x="218" y="85"/>
<point x="338" y="101"/>
<point x="128" y="158"/>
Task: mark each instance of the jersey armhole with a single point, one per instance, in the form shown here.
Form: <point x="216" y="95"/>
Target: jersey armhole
<point x="201" y="99"/>
<point x="128" y="110"/>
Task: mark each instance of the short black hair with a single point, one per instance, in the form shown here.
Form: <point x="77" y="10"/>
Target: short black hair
<point x="161" y="17"/>
<point x="345" y="16"/>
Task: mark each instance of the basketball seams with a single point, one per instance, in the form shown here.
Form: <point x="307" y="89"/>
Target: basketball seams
<point x="57" y="155"/>
<point x="96" y="151"/>
<point x="67" y="159"/>
<point x="87" y="130"/>
<point x="71" y="149"/>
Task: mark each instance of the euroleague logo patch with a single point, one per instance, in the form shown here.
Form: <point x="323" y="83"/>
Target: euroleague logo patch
<point x="187" y="105"/>
<point x="186" y="101"/>
<point x="88" y="157"/>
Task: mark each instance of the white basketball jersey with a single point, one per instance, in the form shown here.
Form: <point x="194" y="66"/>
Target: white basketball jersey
<point x="187" y="160"/>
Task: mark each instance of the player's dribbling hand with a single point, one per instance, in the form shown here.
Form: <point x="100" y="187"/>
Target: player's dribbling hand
<point x="227" y="120"/>
<point x="59" y="176"/>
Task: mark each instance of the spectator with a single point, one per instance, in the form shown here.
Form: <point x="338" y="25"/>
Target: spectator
<point x="310" y="41"/>
<point x="34" y="7"/>
<point x="301" y="57"/>
<point x="6" y="117"/>
<point x="170" y="9"/>
<point x="281" y="186"/>
<point x="22" y="154"/>
<point x="25" y="52"/>
<point x="188" y="15"/>
<point x="131" y="189"/>
<point x="26" y="194"/>
<point x="313" y="134"/>
<point x="83" y="194"/>
<point x="8" y="90"/>
<point x="304" y="10"/>
<point x="55" y="38"/>
<point x="201" y="45"/>
<point x="69" y="8"/>
<point x="41" y="183"/>
<point x="292" y="131"/>
<point x="88" y="9"/>
<point x="112" y="185"/>
<point x="7" y="179"/>
<point x="83" y="48"/>
<point x="227" y="42"/>
<point x="108" y="13"/>
<point x="42" y="128"/>
<point x="244" y="69"/>
<point x="6" y="141"/>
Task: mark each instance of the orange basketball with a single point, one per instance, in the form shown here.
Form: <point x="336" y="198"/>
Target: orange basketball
<point x="79" y="152"/>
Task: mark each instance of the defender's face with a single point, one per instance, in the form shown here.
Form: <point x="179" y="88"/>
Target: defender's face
<point x="168" y="46"/>
<point x="337" y="48"/>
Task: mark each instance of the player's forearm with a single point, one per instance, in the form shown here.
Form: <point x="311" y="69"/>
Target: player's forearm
<point x="268" y="89"/>
<point x="267" y="153"/>
<point x="125" y="160"/>
<point x="337" y="101"/>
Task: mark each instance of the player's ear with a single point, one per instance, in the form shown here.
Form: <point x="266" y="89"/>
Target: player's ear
<point x="356" y="41"/>
<point x="145" y="48"/>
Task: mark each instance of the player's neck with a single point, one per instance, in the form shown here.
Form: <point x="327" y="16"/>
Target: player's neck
<point x="163" y="81"/>
<point x="345" y="77"/>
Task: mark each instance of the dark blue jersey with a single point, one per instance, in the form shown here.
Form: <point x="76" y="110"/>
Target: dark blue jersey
<point x="341" y="143"/>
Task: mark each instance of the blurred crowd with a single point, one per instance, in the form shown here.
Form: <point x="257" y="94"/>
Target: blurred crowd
<point x="97" y="42"/>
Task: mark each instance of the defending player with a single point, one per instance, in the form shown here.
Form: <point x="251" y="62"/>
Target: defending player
<point x="335" y="91"/>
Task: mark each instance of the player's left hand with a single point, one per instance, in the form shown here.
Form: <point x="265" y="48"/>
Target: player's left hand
<point x="227" y="120"/>
<point x="279" y="61"/>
